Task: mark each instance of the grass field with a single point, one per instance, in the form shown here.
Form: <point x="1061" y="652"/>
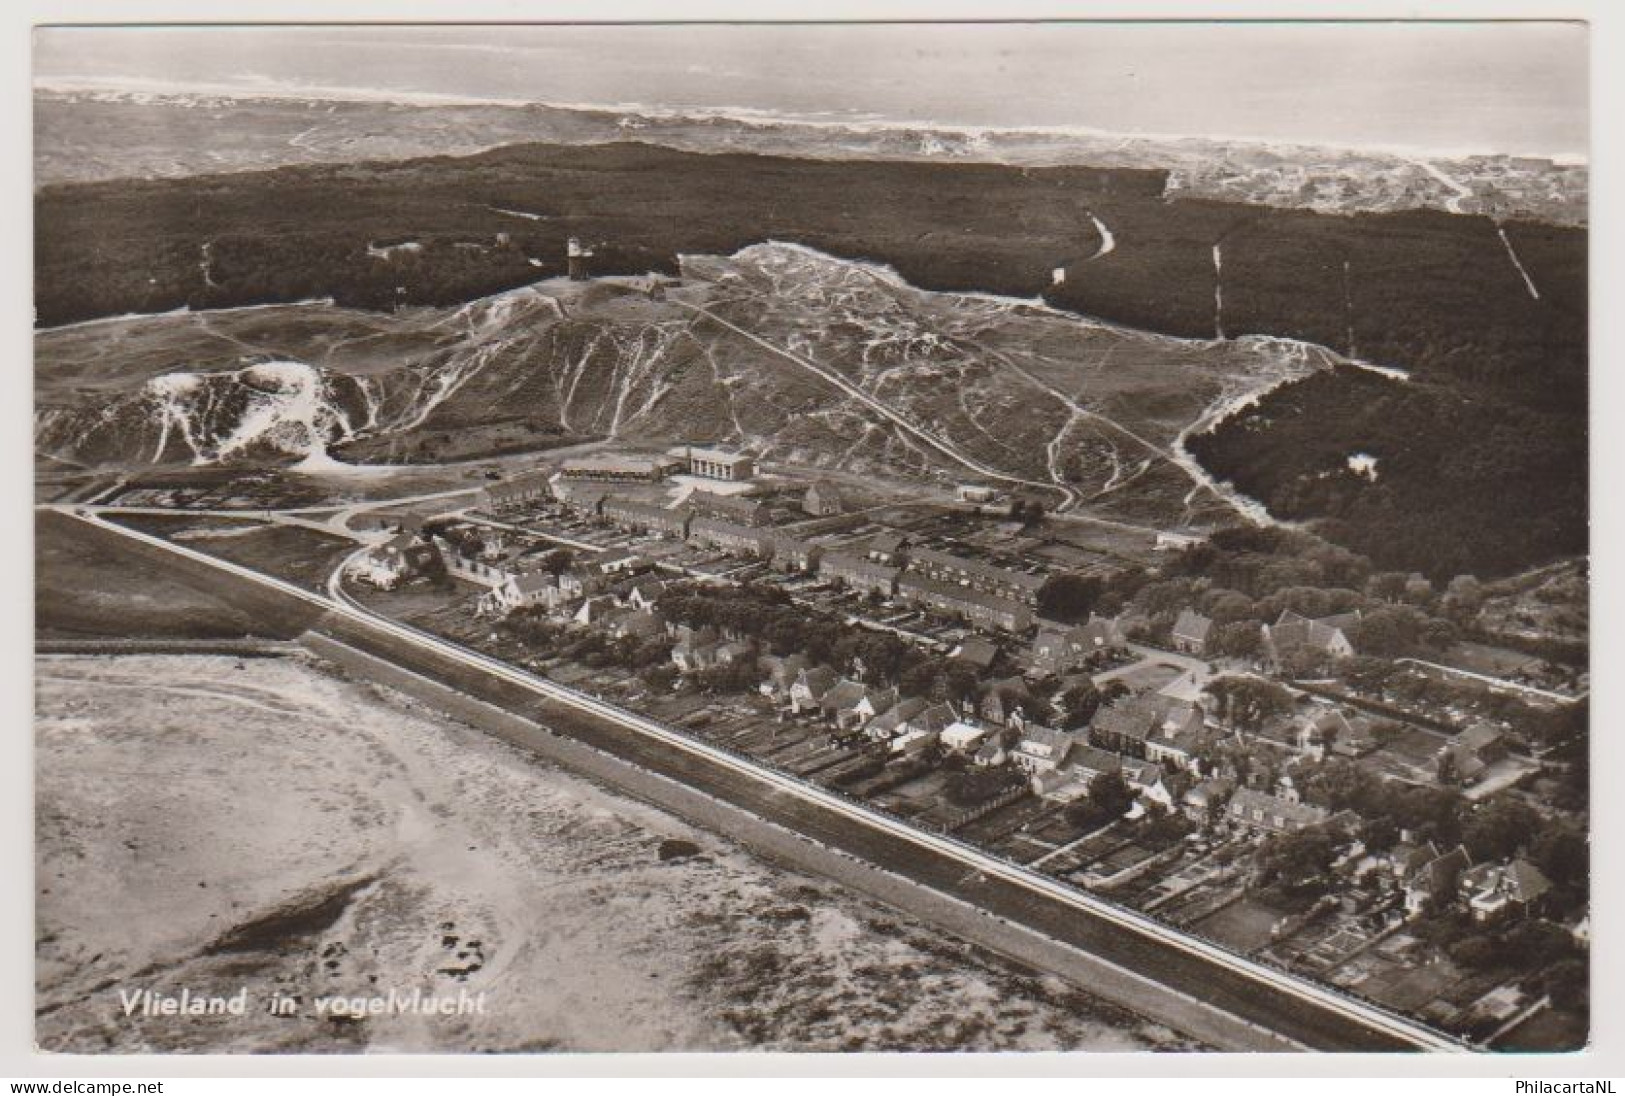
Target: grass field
<point x="89" y="584"/>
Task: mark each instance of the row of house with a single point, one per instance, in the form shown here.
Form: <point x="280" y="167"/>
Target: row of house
<point x="1490" y="892"/>
<point x="583" y="580"/>
<point x="1293" y="637"/>
<point x="976" y="575"/>
<point x="1058" y="650"/>
<point x="622" y="468"/>
<point x="1061" y="765"/>
<point x="519" y="493"/>
<point x="646" y="517"/>
<point x="743" y="509"/>
<point x="981" y="609"/>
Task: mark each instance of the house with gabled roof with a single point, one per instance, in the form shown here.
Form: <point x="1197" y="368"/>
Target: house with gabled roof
<point x="1058" y="650"/>
<point x="782" y="672"/>
<point x="388" y="564"/>
<point x="519" y="592"/>
<point x="643" y="593"/>
<point x="1207" y="797"/>
<point x="1058" y="785"/>
<point x="1294" y="637"/>
<point x="637" y="624"/>
<point x="851" y="703"/>
<point x="696" y="649"/>
<point x="729" y="536"/>
<point x="823" y="500"/>
<point x="1405" y="859"/>
<point x="1498" y="891"/>
<point x="1436" y="881"/>
<point x="1042" y="748"/>
<point x="646" y="517"/>
<point x="1473" y="751"/>
<point x="1190" y="632"/>
<point x="977" y="653"/>
<point x="1088" y="762"/>
<point x="932" y="720"/>
<point x="1049" y="654"/>
<point x="990" y="753"/>
<point x="789" y="554"/>
<point x="1258" y="810"/>
<point x="890" y="723"/>
<point x="1001" y="702"/>
<point x="810" y="688"/>
<point x="516" y="494"/>
<point x="1127" y="725"/>
<point x="596" y="610"/>
<point x="1154" y="784"/>
<point x="976" y="574"/>
<point x="977" y="607"/>
<point x="740" y="509"/>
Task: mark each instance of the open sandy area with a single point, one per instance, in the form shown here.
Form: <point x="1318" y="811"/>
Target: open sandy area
<point x="213" y="824"/>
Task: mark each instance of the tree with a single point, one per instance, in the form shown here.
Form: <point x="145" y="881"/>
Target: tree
<point x="1078" y="705"/>
<point x="660" y="677"/>
<point x="1228" y="606"/>
<point x="1463" y="598"/>
<point x="1418" y="590"/>
<point x="1568" y="984"/>
<point x="1240" y="639"/>
<point x="968" y="787"/>
<point x="1386" y="585"/>
<point x="1476" y="952"/>
<point x="1563" y="854"/>
<point x="1497" y="830"/>
<point x="1248" y="702"/>
<point x="1538" y="943"/>
<point x="1110" y="793"/>
<point x="1379" y="834"/>
<point x="558" y="561"/>
<point x="1068" y="597"/>
<point x="1295" y="860"/>
<point x="918" y="679"/>
<point x="1392" y="631"/>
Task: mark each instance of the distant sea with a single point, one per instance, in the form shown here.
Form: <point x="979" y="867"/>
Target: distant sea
<point x="1436" y="88"/>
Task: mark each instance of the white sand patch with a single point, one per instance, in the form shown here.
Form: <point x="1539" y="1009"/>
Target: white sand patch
<point x="181" y="798"/>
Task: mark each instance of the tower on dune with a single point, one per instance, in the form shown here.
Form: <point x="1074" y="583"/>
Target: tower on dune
<point x="578" y="257"/>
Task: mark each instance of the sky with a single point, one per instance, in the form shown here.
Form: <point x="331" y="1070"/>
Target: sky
<point x="1439" y="87"/>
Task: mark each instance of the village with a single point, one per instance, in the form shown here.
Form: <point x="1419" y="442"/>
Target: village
<point x="1248" y="734"/>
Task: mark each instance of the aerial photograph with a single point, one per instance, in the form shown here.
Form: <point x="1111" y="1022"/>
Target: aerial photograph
<point x="811" y="537"/>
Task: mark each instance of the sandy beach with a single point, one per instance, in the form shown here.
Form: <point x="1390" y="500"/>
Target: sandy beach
<point x="211" y="825"/>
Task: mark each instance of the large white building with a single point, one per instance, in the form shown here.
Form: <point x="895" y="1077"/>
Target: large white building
<point x="719" y="464"/>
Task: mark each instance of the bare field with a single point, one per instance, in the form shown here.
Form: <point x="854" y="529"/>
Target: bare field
<point x="398" y="850"/>
<point x="89" y="586"/>
<point x="293" y="553"/>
